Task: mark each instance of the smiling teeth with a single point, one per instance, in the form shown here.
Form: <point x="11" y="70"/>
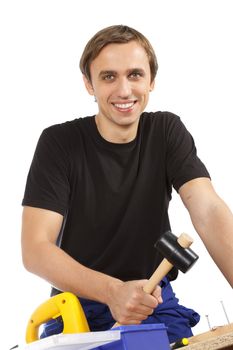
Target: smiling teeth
<point x="124" y="105"/>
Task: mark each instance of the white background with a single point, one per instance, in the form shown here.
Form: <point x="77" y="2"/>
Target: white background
<point x="40" y="85"/>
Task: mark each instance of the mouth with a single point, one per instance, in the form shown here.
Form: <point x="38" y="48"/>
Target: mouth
<point x="124" y="107"/>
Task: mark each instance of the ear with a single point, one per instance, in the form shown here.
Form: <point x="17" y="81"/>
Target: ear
<point x="88" y="85"/>
<point x="152" y="85"/>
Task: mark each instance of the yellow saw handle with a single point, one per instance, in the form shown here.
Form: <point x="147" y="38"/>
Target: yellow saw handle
<point x="65" y="305"/>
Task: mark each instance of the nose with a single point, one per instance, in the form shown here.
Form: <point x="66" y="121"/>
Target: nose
<point x="124" y="88"/>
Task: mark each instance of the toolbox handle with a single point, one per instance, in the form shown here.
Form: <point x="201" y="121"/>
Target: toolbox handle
<point x="65" y="305"/>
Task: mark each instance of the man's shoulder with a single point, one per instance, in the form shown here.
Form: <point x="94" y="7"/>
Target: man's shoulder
<point x="159" y="116"/>
<point x="160" y="120"/>
<point x="68" y="134"/>
<point x="69" y="126"/>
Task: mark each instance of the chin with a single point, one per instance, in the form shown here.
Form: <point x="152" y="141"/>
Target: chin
<point x="126" y="122"/>
<point x="127" y="119"/>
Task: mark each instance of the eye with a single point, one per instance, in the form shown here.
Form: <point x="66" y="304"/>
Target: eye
<point x="135" y="75"/>
<point x="108" y="77"/>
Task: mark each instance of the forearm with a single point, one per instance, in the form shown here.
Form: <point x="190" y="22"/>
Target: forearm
<point x="127" y="301"/>
<point x="66" y="274"/>
<point x="213" y="221"/>
<point x="216" y="231"/>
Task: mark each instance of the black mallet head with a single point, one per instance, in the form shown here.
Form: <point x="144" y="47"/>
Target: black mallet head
<point x="182" y="258"/>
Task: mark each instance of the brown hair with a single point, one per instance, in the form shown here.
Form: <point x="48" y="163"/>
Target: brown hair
<point x="117" y="34"/>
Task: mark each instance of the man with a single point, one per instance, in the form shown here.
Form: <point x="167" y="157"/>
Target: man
<point x="98" y="190"/>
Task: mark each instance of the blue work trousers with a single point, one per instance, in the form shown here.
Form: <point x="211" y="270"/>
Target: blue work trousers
<point x="177" y="318"/>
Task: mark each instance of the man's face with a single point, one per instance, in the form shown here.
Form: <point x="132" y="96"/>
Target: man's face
<point x="121" y="82"/>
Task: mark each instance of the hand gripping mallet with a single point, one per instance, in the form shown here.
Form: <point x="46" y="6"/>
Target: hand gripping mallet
<point x="176" y="253"/>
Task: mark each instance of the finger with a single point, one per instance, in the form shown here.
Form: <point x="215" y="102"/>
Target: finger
<point x="145" y="310"/>
<point x="150" y="300"/>
<point x="157" y="294"/>
<point x="133" y="322"/>
<point x="135" y="318"/>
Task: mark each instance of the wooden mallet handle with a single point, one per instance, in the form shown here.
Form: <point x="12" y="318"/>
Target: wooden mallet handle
<point x="165" y="266"/>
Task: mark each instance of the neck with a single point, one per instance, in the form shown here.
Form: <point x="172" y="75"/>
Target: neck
<point x="114" y="133"/>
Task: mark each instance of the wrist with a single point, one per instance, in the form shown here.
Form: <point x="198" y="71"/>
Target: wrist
<point x="112" y="288"/>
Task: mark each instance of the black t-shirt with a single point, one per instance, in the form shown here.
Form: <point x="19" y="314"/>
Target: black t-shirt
<point x="114" y="197"/>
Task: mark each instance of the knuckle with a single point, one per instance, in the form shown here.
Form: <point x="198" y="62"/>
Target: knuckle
<point x="130" y="307"/>
<point x="121" y="320"/>
<point x="157" y="290"/>
<point x="144" y="317"/>
<point x="135" y="296"/>
<point x="151" y="312"/>
<point x="137" y="322"/>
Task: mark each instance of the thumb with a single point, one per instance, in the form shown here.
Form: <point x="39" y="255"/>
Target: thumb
<point x="157" y="294"/>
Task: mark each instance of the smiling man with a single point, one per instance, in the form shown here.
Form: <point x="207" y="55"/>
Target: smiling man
<point x="98" y="190"/>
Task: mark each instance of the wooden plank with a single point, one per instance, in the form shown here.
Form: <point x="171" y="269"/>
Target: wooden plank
<point x="214" y="332"/>
<point x="224" y="341"/>
<point x="217" y="338"/>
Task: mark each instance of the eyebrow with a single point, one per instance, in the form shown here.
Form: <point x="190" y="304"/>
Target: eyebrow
<point x="136" y="70"/>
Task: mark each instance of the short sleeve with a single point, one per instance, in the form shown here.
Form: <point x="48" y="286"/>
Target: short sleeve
<point x="183" y="164"/>
<point x="47" y="185"/>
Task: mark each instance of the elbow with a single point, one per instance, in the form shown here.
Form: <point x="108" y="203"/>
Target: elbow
<point x="29" y="255"/>
<point x="35" y="256"/>
<point x="27" y="260"/>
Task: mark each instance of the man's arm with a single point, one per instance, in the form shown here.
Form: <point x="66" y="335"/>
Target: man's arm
<point x="126" y="300"/>
<point x="212" y="220"/>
